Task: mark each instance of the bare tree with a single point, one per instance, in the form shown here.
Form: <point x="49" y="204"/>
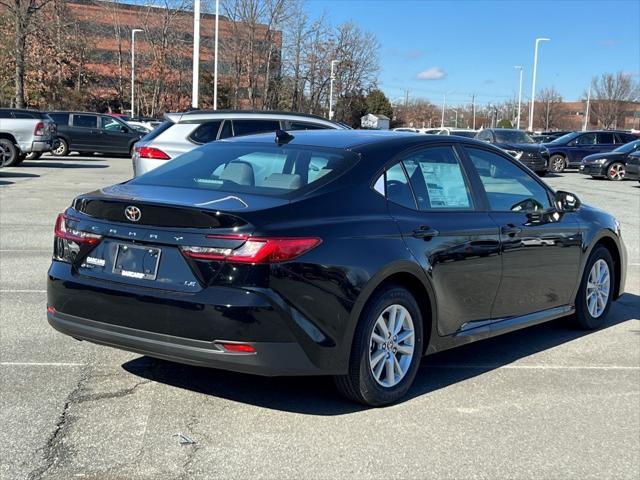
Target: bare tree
<point x="548" y="108"/>
<point x="21" y="12"/>
<point x="610" y="92"/>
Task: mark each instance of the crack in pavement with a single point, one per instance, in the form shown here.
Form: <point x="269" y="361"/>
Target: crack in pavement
<point x="54" y="450"/>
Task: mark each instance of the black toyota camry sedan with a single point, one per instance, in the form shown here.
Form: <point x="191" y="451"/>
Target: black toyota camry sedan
<point x="343" y="253"/>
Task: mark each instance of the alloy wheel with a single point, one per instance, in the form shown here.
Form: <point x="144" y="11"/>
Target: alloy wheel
<point x="60" y="150"/>
<point x="616" y="171"/>
<point x="392" y="345"/>
<point x="557" y="164"/>
<point x="598" y="285"/>
<point x="5" y="156"/>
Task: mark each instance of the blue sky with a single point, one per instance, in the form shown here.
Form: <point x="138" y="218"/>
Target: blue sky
<point x="463" y="47"/>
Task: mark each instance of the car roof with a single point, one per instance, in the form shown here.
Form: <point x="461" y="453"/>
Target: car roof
<point x="194" y="115"/>
<point x="350" y="139"/>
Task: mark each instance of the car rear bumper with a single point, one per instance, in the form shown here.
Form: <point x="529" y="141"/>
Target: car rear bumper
<point x="36" y="146"/>
<point x="593" y="170"/>
<point x="186" y="328"/>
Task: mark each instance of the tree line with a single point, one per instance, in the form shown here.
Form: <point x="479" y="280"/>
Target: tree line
<point x="273" y="55"/>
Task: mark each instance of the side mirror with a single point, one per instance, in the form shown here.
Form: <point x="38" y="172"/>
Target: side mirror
<point x="567" y="202"/>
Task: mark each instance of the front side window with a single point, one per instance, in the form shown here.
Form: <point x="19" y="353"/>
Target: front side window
<point x="207" y="132"/>
<point x="251" y="127"/>
<point x="60" y="118"/>
<point x="112" y="124"/>
<point x="508" y="187"/>
<point x="513" y="136"/>
<point x="437" y="179"/>
<point x="85" y="121"/>
<point x="586" y="139"/>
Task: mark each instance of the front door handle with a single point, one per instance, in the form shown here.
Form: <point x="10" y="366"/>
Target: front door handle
<point x="425" y="231"/>
<point x="510" y="230"/>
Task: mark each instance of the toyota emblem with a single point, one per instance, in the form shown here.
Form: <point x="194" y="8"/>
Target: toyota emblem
<point x="133" y="213"/>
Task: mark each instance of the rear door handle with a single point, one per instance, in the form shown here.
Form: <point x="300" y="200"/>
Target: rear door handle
<point x="510" y="230"/>
<point x="425" y="232"/>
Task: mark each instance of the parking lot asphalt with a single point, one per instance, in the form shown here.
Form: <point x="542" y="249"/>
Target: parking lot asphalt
<point x="545" y="402"/>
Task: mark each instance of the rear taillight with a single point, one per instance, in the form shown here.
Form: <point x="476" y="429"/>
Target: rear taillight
<point x="237" y="347"/>
<point x="151" y="152"/>
<point x="40" y="129"/>
<point x="255" y="250"/>
<point x="77" y="236"/>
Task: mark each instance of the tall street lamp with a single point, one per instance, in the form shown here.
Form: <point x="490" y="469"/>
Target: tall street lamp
<point x="444" y="107"/>
<point x="533" y="81"/>
<point x="196" y="54"/>
<point x="456" y="112"/>
<point x="519" y="67"/>
<point x="333" y="76"/>
<point x="133" y="69"/>
<point x="215" y="61"/>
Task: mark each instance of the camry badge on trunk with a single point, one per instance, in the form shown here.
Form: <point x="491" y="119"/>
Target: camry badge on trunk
<point x="133" y="213"/>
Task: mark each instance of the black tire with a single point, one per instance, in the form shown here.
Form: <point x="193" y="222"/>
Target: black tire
<point x="33" y="155"/>
<point x="62" y="150"/>
<point x="359" y="383"/>
<point x="541" y="173"/>
<point x="616" y="171"/>
<point x="21" y="158"/>
<point x="557" y="163"/>
<point x="583" y="319"/>
<point x="9" y="154"/>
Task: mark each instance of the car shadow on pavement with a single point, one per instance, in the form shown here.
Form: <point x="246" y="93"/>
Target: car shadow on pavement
<point x="61" y="165"/>
<point x="17" y="175"/>
<point x="318" y="396"/>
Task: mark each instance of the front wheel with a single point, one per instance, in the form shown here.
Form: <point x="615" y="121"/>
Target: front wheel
<point x="8" y="153"/>
<point x="616" y="171"/>
<point x="386" y="350"/>
<point x="557" y="163"/>
<point x="596" y="290"/>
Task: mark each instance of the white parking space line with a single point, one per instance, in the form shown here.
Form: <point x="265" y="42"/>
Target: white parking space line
<point x="23" y="291"/>
<point x="535" y="367"/>
<point x="41" y="364"/>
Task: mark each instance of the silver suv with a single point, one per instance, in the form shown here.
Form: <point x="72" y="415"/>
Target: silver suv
<point x="182" y="132"/>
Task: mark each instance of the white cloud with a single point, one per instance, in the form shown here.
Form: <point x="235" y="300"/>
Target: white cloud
<point x="433" y="73"/>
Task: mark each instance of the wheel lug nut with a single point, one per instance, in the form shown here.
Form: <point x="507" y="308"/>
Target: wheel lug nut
<point x="395" y="338"/>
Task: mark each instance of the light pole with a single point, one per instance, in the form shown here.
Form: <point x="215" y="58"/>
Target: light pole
<point x="456" y="112"/>
<point x="215" y="61"/>
<point x="519" y="67"/>
<point x="133" y="69"/>
<point x="533" y="81"/>
<point x="586" y="113"/>
<point x="196" y="53"/>
<point x="333" y="76"/>
<point x="444" y="106"/>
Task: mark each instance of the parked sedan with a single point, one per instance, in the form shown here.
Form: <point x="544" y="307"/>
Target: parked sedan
<point x="611" y="165"/>
<point x="89" y="133"/>
<point x="568" y="150"/>
<point x="519" y="145"/>
<point x="633" y="166"/>
<point x="344" y="253"/>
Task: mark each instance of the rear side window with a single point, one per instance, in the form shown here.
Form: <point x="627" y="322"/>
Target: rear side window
<point x="605" y="137"/>
<point x="60" y="118"/>
<point x="438" y="180"/>
<point x="85" y="121"/>
<point x="5" y="114"/>
<point x="163" y="127"/>
<point x="306" y="126"/>
<point x="397" y="187"/>
<point x="250" y="127"/>
<point x="205" y="133"/>
<point x="262" y="169"/>
<point x="625" y="138"/>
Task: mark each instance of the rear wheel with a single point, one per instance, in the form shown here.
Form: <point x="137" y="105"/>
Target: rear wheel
<point x="386" y="349"/>
<point x="616" y="171"/>
<point x="557" y="163"/>
<point x="62" y="149"/>
<point x="8" y="153"/>
<point x="596" y="290"/>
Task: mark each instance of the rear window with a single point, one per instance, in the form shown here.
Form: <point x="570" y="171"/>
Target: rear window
<point x="205" y="133"/>
<point x="163" y="127"/>
<point x="60" y="118"/>
<point x="251" y="168"/>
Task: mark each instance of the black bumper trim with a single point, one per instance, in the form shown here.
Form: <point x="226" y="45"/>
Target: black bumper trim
<point x="270" y="359"/>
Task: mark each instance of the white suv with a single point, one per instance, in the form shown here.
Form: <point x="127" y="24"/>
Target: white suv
<point x="182" y="132"/>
